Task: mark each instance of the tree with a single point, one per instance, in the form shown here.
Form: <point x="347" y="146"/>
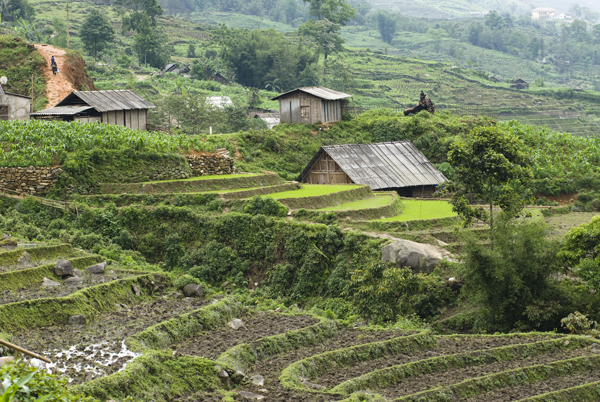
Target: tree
<point x="581" y="251"/>
<point x="489" y="164"/>
<point x="534" y="47"/>
<point x="191" y="53"/>
<point x="150" y="44"/>
<point x="387" y="24"/>
<point x="133" y="12"/>
<point x="494" y="20"/>
<point x="336" y="11"/>
<point x="474" y="33"/>
<point x="96" y="32"/>
<point x="13" y="10"/>
<point x="514" y="282"/>
<point x="596" y="33"/>
<point x="325" y="33"/>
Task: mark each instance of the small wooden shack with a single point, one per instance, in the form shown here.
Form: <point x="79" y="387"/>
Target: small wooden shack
<point x="310" y="105"/>
<point x="519" y="84"/>
<point x="14" y="106"/>
<point x="122" y="108"/>
<point x="398" y="166"/>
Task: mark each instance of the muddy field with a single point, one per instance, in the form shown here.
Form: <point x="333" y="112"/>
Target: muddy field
<point x="257" y="325"/>
<point x="85" y="352"/>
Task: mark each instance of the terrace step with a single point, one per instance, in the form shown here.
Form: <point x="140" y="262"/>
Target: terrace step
<point x="36" y="254"/>
<point x="380" y="205"/>
<point x="194" y="185"/>
<point x="421" y="375"/>
<point x="315" y="196"/>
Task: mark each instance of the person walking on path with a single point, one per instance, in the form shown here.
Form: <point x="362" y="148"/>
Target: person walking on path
<point x="53" y="65"/>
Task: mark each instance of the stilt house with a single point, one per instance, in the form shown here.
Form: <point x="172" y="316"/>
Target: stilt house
<point x="310" y="105"/>
<point x="121" y="108"/>
<point x="398" y="166"/>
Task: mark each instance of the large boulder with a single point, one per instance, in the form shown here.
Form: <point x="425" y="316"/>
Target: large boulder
<point x="97" y="268"/>
<point x="193" y="290"/>
<point x="63" y="268"/>
<point x="24" y="261"/>
<point x="418" y="256"/>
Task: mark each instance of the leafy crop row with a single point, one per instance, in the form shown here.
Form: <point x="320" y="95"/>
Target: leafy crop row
<point x="40" y="143"/>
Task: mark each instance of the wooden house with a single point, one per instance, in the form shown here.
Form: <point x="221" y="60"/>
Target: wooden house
<point x="398" y="166"/>
<point x="310" y="105"/>
<point x="122" y="108"/>
<point x="14" y="106"/>
<point x="519" y="84"/>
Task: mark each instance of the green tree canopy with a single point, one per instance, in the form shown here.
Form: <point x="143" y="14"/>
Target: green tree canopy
<point x="336" y="11"/>
<point x="96" y="32"/>
<point x="325" y="34"/>
<point x="387" y="23"/>
<point x="489" y="163"/>
<point x="13" y="10"/>
<point x="151" y="44"/>
<point x="133" y="12"/>
<point x="264" y="57"/>
<point x="581" y="251"/>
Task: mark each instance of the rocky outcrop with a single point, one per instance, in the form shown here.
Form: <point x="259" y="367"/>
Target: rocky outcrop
<point x="63" y="268"/>
<point x="31" y="180"/>
<point x="417" y="256"/>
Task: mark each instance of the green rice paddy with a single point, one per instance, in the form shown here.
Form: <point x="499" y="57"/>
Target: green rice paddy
<point x="419" y="209"/>
<point x="212" y="177"/>
<point x="313" y="190"/>
<point x="367" y="203"/>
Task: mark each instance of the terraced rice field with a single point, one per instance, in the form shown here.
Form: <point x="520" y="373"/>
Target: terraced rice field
<point x="273" y="356"/>
<point x="374" y="202"/>
<point x="423" y="209"/>
<point x="314" y="190"/>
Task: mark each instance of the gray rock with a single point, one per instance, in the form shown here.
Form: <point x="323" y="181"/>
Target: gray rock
<point x="417" y="256"/>
<point x="48" y="283"/>
<point x="250" y="395"/>
<point x="73" y="282"/>
<point x="77" y="273"/>
<point x="258" y="380"/>
<point x="97" y="268"/>
<point x="5" y="360"/>
<point x="24" y="260"/>
<point x="311" y="385"/>
<point x="222" y="373"/>
<point x="595" y="347"/>
<point x="63" y="267"/>
<point x="236" y="324"/>
<point x="77" y="320"/>
<point x="193" y="290"/>
<point x="136" y="290"/>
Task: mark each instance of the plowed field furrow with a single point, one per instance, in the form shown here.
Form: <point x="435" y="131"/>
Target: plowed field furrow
<point x="537" y="388"/>
<point x="271" y="368"/>
<point x="416" y="384"/>
<point x="257" y="325"/>
<point x="446" y="346"/>
<point x="83" y="353"/>
<point x="64" y="289"/>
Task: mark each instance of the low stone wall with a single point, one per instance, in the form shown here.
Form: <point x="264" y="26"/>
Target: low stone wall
<point x="31" y="180"/>
<point x="211" y="164"/>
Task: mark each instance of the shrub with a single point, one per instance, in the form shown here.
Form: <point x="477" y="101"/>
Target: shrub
<point x="184" y="280"/>
<point x="513" y="282"/>
<point x="27" y="384"/>
<point x="265" y="206"/>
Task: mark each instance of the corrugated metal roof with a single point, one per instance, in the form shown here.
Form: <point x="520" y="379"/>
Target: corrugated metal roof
<point x="320" y="92"/>
<point x="108" y="101"/>
<point x="62" y="111"/>
<point x="382" y="165"/>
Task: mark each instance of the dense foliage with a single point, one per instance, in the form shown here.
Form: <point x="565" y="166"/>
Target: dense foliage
<point x="41" y="143"/>
<point x="29" y="384"/>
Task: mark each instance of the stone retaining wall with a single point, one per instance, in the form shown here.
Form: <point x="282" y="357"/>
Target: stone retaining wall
<point x="211" y="164"/>
<point x="31" y="180"/>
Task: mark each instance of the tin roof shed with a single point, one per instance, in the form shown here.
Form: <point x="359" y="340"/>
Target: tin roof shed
<point x="384" y="165"/>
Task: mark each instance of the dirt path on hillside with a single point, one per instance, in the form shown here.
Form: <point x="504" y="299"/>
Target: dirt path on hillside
<point x="57" y="86"/>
